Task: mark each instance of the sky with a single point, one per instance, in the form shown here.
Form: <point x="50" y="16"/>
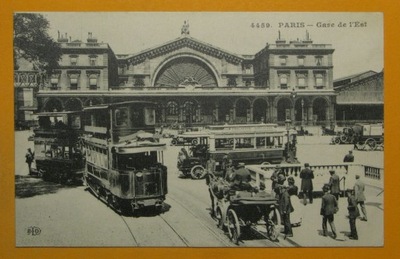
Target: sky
<point x="356" y="37"/>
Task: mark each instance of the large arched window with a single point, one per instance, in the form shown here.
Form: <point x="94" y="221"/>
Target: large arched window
<point x="172" y="108"/>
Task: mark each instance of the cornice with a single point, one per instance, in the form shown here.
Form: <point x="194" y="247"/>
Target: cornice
<point x="182" y="43"/>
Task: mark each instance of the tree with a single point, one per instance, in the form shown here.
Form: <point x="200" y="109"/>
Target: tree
<point x="32" y="42"/>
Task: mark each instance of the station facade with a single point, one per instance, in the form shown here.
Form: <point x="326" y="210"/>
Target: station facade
<point x="196" y="83"/>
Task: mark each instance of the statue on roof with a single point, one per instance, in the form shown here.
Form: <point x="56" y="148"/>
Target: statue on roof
<point x="185" y="28"/>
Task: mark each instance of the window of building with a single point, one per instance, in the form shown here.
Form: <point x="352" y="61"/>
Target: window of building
<point x="74" y="60"/>
<point x="319" y="80"/>
<point x="54" y="83"/>
<point x="283" y="81"/>
<point x="172" y="108"/>
<point x="301" y="80"/>
<point x="300" y="60"/>
<point x="247" y="82"/>
<point x="92" y="60"/>
<point x="247" y="69"/>
<point x="93" y="83"/>
<point x="232" y="81"/>
<point x="318" y="60"/>
<point x="139" y="82"/>
<point x="283" y="60"/>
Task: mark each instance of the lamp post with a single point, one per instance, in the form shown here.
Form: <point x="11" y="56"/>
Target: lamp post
<point x="293" y="94"/>
<point x="288" y="122"/>
<point x="302" y="112"/>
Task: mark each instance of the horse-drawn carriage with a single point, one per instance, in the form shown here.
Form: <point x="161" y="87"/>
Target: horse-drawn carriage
<point x="240" y="210"/>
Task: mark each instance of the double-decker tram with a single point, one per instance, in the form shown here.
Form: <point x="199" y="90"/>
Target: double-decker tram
<point x="124" y="163"/>
<point x="58" y="153"/>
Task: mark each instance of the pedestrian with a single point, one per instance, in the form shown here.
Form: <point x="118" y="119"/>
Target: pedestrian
<point x="210" y="168"/>
<point x="329" y="207"/>
<point x="359" y="188"/>
<point x="334" y="183"/>
<point x="224" y="164"/>
<point x="307" y="176"/>
<point x="29" y="157"/>
<point x="349" y="157"/>
<point x="293" y="190"/>
<point x="275" y="177"/>
<point x="353" y="213"/>
<point x="229" y="171"/>
<point x="285" y="208"/>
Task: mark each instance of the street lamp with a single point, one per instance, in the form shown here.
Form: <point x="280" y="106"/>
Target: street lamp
<point x="288" y="123"/>
<point x="302" y="112"/>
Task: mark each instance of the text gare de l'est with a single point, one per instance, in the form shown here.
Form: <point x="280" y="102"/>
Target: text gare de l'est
<point x="351" y="24"/>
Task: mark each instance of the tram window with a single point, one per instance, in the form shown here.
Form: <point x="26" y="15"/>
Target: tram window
<point x="121" y="117"/>
<point x="75" y="121"/>
<point x="149" y="116"/>
<point x="260" y="141"/>
<point x="137" y="160"/>
<point x="270" y="141"/>
<point x="40" y="149"/>
<point x="223" y="143"/>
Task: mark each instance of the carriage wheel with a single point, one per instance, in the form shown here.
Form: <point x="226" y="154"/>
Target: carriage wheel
<point x="337" y="140"/>
<point x="343" y="138"/>
<point x="371" y="143"/>
<point x="174" y="142"/>
<point x="273" y="221"/>
<point x="233" y="226"/>
<point x="198" y="172"/>
<point x="220" y="220"/>
<point x="194" y="142"/>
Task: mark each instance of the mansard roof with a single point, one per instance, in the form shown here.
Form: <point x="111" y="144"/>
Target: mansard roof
<point x="181" y="42"/>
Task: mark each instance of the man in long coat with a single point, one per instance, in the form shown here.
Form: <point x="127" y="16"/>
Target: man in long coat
<point x="353" y="213"/>
<point x="306" y="176"/>
<point x="334" y="183"/>
<point x="329" y="207"/>
<point x="285" y="208"/>
<point x="359" y="188"/>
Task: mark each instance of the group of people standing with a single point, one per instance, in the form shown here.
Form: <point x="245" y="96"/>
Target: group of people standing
<point x="329" y="200"/>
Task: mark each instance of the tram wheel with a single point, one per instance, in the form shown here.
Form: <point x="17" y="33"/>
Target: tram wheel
<point x="273" y="222"/>
<point x="198" y="172"/>
<point x="233" y="226"/>
<point x="337" y="140"/>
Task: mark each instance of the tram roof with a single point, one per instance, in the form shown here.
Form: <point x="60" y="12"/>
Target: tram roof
<point x="108" y="105"/>
<point x="61" y="113"/>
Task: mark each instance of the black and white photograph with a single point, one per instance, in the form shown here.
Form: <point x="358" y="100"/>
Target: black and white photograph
<point x="199" y="129"/>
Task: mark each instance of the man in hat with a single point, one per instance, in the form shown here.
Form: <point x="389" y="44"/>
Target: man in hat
<point x="275" y="176"/>
<point x="306" y="176"/>
<point x="359" y="188"/>
<point x="353" y="213"/>
<point x="334" y="183"/>
<point x="329" y="207"/>
<point x="241" y="178"/>
<point x="285" y="208"/>
<point x="349" y="157"/>
<point x="29" y="157"/>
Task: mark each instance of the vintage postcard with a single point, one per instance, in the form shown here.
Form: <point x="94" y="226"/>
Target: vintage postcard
<point x="207" y="130"/>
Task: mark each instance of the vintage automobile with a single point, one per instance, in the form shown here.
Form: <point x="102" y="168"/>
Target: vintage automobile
<point x="363" y="136"/>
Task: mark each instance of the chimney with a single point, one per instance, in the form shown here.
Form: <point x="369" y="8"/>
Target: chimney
<point x="90" y="38"/>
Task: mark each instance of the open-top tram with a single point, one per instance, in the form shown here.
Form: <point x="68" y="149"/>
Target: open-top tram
<point x="58" y="151"/>
<point x="124" y="163"/>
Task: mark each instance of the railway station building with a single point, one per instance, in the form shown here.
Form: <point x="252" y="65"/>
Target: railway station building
<point x="196" y="83"/>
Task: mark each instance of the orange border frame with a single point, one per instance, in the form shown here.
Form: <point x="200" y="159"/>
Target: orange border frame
<point x="391" y="10"/>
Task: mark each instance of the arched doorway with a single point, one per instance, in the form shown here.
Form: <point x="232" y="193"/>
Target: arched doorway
<point x="260" y="110"/>
<point x="53" y="105"/>
<point x="284" y="110"/>
<point x="300" y="111"/>
<point x="73" y="104"/>
<point x="320" y="108"/>
<point x="224" y="110"/>
<point x="189" y="112"/>
<point x="185" y="71"/>
<point x="207" y="111"/>
<point x="242" y="112"/>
